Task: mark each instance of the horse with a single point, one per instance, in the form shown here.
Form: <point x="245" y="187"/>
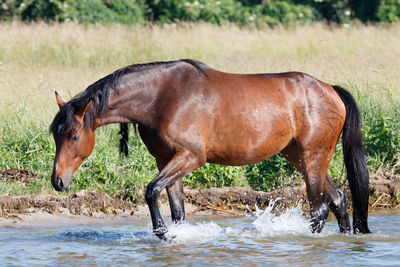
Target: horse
<point x="188" y="113"/>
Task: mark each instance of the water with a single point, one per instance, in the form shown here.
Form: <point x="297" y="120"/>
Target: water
<point x="261" y="239"/>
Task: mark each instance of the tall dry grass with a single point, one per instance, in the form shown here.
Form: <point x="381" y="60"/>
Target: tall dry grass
<point x="39" y="58"/>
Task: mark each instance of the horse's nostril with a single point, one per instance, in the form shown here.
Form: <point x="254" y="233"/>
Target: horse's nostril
<point x="60" y="183"/>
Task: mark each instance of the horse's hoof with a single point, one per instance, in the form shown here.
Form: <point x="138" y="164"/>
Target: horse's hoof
<point x="317" y="226"/>
<point x="160" y="232"/>
<point x="167" y="238"/>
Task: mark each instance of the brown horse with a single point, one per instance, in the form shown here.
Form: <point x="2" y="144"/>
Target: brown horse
<point x="189" y="114"/>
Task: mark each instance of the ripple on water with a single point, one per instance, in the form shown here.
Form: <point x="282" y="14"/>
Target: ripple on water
<point x="264" y="237"/>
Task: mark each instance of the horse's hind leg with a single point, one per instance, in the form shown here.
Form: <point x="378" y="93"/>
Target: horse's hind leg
<point x="317" y="198"/>
<point x="337" y="204"/>
<point x="313" y="164"/>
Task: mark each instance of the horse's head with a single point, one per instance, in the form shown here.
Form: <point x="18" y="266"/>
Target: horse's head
<point x="74" y="142"/>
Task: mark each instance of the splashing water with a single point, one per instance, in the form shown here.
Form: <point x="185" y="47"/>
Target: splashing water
<point x="202" y="231"/>
<point x="266" y="224"/>
<point x="291" y="221"/>
<point x="265" y="237"/>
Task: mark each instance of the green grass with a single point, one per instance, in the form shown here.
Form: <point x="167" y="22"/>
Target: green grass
<point x="37" y="59"/>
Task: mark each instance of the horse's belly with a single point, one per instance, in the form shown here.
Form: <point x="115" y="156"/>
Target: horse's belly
<point x="243" y="149"/>
<point x="238" y="159"/>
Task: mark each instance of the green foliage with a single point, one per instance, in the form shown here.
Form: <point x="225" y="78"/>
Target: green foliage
<point x="222" y="11"/>
<point x="212" y="11"/>
<point x="334" y="10"/>
<point x="365" y="10"/>
<point x="271" y="173"/>
<point x="104" y="11"/>
<point x="284" y="12"/>
<point x="213" y="175"/>
<point x="389" y="10"/>
<point x="287" y="12"/>
<point x="382" y="138"/>
<point x="29" y="10"/>
<point x="45" y="10"/>
<point x="83" y="11"/>
<point x="24" y="144"/>
<point x="381" y="131"/>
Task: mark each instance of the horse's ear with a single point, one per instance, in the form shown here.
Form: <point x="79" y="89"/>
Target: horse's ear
<point x="60" y="102"/>
<point x="84" y="110"/>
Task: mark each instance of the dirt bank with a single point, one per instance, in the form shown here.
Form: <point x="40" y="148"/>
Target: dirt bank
<point x="385" y="194"/>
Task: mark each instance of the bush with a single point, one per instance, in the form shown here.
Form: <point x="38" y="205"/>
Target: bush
<point x="213" y="11"/>
<point x="365" y="10"/>
<point x="283" y="12"/>
<point x="104" y="11"/>
<point x="222" y="11"/>
<point x="382" y="138"/>
<point x="270" y="173"/>
<point x="389" y="10"/>
<point x="381" y="131"/>
<point x="84" y="11"/>
<point x="29" y="10"/>
<point x="210" y="11"/>
<point x="213" y="175"/>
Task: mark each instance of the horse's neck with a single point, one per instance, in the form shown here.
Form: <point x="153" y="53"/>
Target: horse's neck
<point x="132" y="102"/>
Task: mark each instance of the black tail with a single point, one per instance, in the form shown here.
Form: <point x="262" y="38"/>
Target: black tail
<point x="123" y="142"/>
<point x="357" y="172"/>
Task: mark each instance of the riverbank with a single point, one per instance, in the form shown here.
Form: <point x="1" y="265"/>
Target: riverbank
<point x="98" y="207"/>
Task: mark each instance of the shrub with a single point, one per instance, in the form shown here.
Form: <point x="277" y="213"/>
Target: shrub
<point x="29" y="10"/>
<point x="84" y="11"/>
<point x="213" y="11"/>
<point x="283" y="12"/>
<point x="104" y="11"/>
<point x="270" y="173"/>
<point x="365" y="10"/>
<point x="381" y="131"/>
<point x="210" y="11"/>
<point x="389" y="10"/>
<point x="213" y="175"/>
<point x="222" y="11"/>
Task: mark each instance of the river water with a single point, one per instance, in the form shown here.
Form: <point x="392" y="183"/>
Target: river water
<point x="261" y="239"/>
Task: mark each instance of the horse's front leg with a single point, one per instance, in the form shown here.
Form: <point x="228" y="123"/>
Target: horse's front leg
<point x="182" y="163"/>
<point x="175" y="194"/>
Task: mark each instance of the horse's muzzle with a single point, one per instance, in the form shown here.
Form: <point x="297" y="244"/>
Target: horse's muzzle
<point x="58" y="184"/>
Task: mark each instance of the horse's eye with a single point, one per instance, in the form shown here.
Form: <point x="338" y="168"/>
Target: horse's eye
<point x="75" y="137"/>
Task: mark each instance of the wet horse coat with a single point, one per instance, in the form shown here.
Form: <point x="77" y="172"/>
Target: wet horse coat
<point x="189" y="114"/>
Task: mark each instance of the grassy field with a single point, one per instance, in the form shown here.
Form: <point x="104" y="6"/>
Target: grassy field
<point x="37" y="59"/>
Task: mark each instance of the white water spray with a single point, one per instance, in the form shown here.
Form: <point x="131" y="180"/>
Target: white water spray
<point x="291" y="221"/>
<point x="266" y="224"/>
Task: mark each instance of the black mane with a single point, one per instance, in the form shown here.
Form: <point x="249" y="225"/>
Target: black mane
<point x="98" y="94"/>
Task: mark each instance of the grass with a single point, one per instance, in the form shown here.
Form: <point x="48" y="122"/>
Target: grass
<point x="37" y="59"/>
